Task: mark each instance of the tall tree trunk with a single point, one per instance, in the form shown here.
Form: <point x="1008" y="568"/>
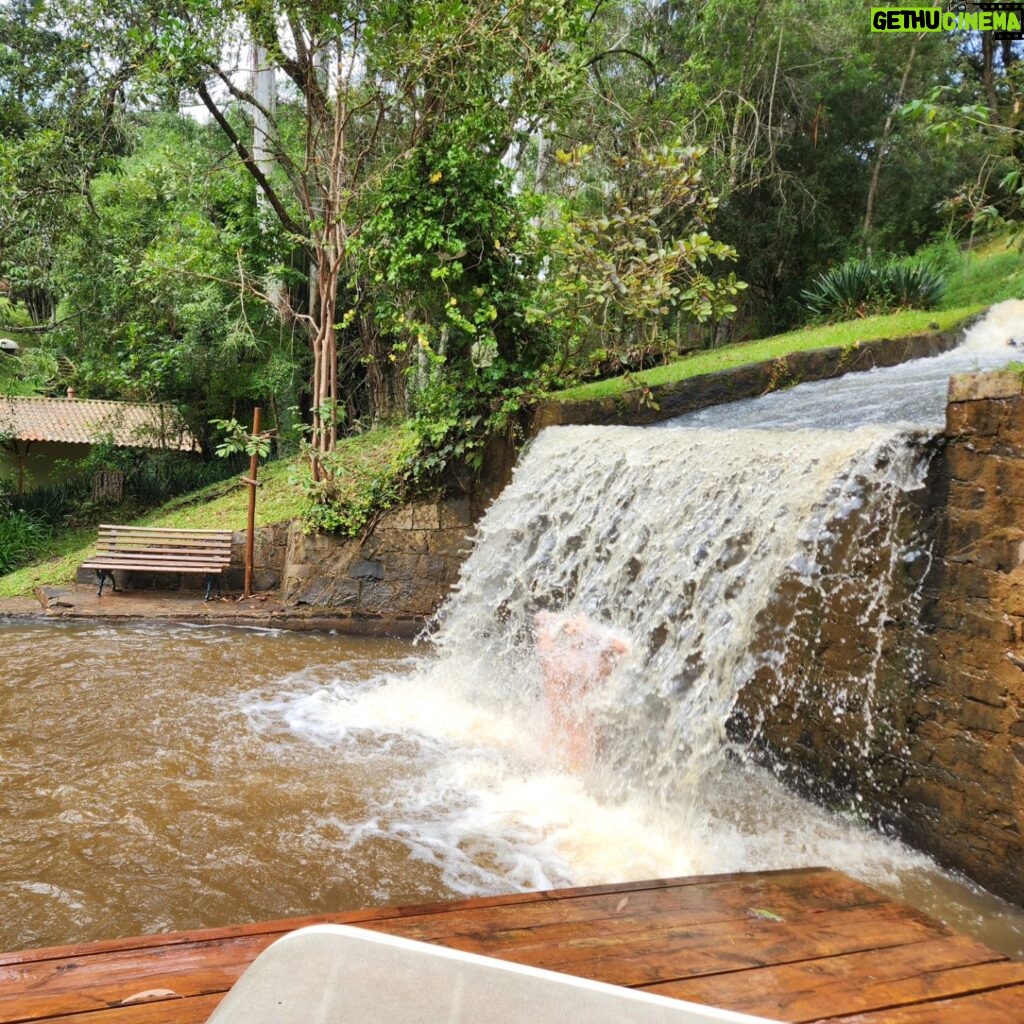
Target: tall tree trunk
<point x="263" y="86"/>
<point x="325" y="364"/>
<point x="264" y="91"/>
<point x="988" y="74"/>
<point x="883" y="144"/>
<point x="385" y="373"/>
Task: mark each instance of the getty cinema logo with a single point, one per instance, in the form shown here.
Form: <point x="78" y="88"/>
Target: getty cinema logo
<point x="1003" y="20"/>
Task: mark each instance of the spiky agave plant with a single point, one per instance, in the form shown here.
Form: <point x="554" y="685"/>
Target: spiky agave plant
<point x="912" y="285"/>
<point x="862" y="287"/>
<point x="842" y="292"/>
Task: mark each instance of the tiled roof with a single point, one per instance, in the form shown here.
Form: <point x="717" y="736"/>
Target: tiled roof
<point x="86" y="421"/>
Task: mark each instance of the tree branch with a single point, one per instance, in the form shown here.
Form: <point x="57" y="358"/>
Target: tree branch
<point x="246" y="97"/>
<point x="616" y="50"/>
<point x="251" y="166"/>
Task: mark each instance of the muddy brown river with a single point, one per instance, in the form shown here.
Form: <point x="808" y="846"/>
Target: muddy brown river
<point x="167" y="777"/>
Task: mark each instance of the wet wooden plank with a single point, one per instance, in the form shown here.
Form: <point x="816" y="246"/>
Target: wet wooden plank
<point x="39" y="991"/>
<point x="639" y="956"/>
<point x="618" y="913"/>
<point x="167" y="1011"/>
<point x="1001" y="1006"/>
<point x="82" y="978"/>
<point x="859" y="982"/>
<point x="799" y="945"/>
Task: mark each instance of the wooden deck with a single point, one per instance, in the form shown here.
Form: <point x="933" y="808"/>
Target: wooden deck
<point x="804" y="945"/>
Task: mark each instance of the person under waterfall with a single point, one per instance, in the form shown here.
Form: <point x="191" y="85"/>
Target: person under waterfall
<point x="574" y="654"/>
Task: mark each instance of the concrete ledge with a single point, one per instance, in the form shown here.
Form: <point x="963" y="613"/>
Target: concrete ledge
<point x="18" y="608"/>
<point x="633" y="407"/>
<point x="261" y="611"/>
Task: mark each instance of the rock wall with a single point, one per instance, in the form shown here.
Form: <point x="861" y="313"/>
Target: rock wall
<point x="400" y="571"/>
<point x="965" y="791"/>
<point x="270" y="547"/>
<point x="840" y="661"/>
<point x="916" y="718"/>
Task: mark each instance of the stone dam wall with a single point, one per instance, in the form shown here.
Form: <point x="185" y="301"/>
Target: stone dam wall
<point x="399" y="573"/>
<point x="965" y="791"/>
<point x="918" y="721"/>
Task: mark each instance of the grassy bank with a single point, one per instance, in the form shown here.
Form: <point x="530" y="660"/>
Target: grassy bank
<point x="974" y="280"/>
<point x="895" y="325"/>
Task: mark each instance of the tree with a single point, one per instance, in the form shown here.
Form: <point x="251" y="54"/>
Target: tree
<point x="366" y="85"/>
<point x="150" y="308"/>
<point x="60" y="122"/>
<point x="796" y="105"/>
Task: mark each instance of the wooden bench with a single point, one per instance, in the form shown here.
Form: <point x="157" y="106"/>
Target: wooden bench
<point x="155" y="549"/>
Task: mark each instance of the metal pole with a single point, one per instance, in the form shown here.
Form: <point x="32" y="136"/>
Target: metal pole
<point x="250" y="537"/>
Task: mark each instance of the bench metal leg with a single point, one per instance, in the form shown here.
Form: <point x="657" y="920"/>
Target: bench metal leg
<point x="103" y="575"/>
<point x="212" y="579"/>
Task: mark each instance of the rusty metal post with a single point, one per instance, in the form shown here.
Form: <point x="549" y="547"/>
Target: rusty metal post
<point x="250" y="536"/>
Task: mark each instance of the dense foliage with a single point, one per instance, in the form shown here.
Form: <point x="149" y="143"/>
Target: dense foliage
<point x="354" y="214"/>
<point x="21" y="537"/>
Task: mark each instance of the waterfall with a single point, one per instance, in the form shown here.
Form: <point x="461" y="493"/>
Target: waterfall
<point x="734" y="544"/>
<point x="677" y="540"/>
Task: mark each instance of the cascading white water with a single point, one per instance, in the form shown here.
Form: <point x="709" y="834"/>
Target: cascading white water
<point x="678" y="539"/>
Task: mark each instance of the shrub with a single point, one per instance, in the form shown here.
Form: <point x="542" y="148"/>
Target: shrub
<point x="22" y="535"/>
<point x="151" y="478"/>
<point x="911" y="285"/>
<point x="859" y="288"/>
<point x="367" y="476"/>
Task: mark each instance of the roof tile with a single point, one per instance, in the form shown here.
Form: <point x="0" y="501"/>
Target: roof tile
<point x="86" y="421"/>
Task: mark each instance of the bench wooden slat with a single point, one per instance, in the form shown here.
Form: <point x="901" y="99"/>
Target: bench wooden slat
<point x="161" y="544"/>
<point x="129" y="543"/>
<point x="215" y="570"/>
<point x="113" y="563"/>
<point x="182" y="549"/>
<point x="183" y="554"/>
<point x="164" y="530"/>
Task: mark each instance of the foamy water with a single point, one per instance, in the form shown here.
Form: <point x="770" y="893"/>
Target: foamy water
<point x="493" y="807"/>
<point x="474" y="795"/>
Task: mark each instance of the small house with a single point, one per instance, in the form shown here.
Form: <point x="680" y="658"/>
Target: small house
<point x="41" y="437"/>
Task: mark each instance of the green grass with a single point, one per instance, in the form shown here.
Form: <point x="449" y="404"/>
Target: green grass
<point x="221" y="506"/>
<point x="987" y="276"/>
<point x="894" y="325"/>
<point x="367" y="472"/>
